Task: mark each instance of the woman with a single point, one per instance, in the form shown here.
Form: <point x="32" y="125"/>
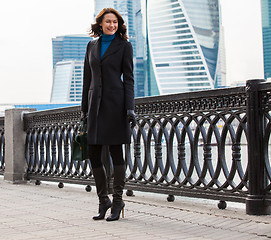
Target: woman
<point x="108" y="104"/>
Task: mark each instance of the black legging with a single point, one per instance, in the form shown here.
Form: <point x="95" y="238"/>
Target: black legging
<point x="95" y="155"/>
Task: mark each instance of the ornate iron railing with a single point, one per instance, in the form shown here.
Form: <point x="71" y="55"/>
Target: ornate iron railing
<point x="192" y="144"/>
<point x="2" y="145"/>
<point x="48" y="146"/>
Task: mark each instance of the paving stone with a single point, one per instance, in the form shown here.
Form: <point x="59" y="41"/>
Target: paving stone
<point x="47" y="212"/>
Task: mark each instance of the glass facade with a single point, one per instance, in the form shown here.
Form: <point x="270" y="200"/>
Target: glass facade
<point x="266" y="24"/>
<point x="68" y="56"/>
<point x="69" y="47"/>
<point x="140" y="56"/>
<point x="68" y="81"/>
<point x="204" y="17"/>
<point x="182" y="41"/>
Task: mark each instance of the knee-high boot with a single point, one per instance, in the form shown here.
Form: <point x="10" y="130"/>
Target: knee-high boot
<point x="101" y="186"/>
<point x="118" y="185"/>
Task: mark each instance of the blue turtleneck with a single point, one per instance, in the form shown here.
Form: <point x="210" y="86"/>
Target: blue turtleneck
<point x="106" y="40"/>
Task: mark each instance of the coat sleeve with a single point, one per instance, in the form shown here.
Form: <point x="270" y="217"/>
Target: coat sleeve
<point x="128" y="77"/>
<point x="86" y="81"/>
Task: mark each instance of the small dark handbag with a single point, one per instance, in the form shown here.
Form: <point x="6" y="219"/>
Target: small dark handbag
<point x="79" y="144"/>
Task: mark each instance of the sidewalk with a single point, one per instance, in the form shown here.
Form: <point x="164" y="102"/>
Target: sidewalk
<point x="47" y="212"/>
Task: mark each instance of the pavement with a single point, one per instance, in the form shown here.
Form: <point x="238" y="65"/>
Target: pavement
<point x="30" y="211"/>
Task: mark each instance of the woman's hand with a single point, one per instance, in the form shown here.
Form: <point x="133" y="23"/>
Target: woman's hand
<point x="131" y="118"/>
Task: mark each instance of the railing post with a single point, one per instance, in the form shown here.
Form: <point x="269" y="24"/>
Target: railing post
<point x="15" y="164"/>
<point x="255" y="202"/>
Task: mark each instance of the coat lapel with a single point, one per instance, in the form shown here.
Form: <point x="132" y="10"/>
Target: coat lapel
<point x="96" y="49"/>
<point x="113" y="47"/>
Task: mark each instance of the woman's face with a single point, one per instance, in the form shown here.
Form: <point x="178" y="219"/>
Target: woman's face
<point x="109" y="23"/>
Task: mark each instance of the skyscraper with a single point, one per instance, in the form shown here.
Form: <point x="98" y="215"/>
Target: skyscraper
<point x="140" y="57"/>
<point x="266" y="24"/>
<point x="68" y="62"/>
<point x="220" y="80"/>
<point x="68" y="81"/>
<point x="69" y="47"/>
<point x="183" y="42"/>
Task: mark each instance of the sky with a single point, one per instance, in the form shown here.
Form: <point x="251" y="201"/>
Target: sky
<point x="243" y="40"/>
<point x="27" y="28"/>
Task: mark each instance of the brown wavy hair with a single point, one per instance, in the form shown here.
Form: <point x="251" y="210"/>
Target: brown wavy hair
<point x="96" y="31"/>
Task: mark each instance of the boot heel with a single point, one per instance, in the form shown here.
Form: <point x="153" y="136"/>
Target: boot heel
<point x="122" y="212"/>
<point x="115" y="211"/>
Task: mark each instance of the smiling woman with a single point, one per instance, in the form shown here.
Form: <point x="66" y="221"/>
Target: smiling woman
<point x="108" y="104"/>
<point x="109" y="21"/>
<point x="109" y="24"/>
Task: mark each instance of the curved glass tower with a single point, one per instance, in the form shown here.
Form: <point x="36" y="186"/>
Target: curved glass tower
<point x="182" y="42"/>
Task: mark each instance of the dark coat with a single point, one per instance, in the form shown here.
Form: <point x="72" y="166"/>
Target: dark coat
<point x="108" y="92"/>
